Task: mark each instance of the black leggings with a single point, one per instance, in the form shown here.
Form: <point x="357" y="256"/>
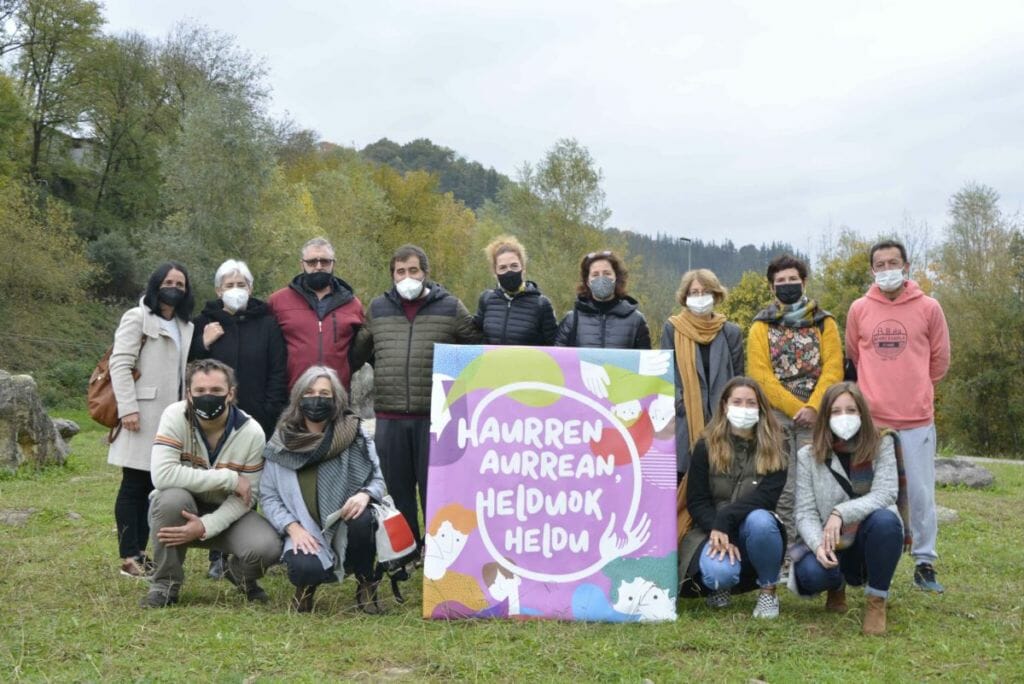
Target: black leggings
<point x="305" y="569"/>
<point x="131" y="511"/>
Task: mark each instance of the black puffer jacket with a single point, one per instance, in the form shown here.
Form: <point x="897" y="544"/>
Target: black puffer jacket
<point x="620" y="326"/>
<point x="252" y="344"/>
<point x="525" y="317"/>
<point x="402" y="351"/>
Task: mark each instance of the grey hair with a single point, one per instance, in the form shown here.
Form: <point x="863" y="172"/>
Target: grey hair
<point x="317" y="242"/>
<point x="230" y="267"/>
<point x="292" y="416"/>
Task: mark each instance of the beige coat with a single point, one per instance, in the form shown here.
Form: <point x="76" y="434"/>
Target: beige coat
<point x="161" y="381"/>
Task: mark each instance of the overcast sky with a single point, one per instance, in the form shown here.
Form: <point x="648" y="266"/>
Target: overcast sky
<point x="750" y="121"/>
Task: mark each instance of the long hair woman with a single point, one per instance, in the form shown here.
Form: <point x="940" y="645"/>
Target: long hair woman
<point x="153" y="339"/>
<point x="736" y="474"/>
<point x="850" y="515"/>
<point x="320" y="477"/>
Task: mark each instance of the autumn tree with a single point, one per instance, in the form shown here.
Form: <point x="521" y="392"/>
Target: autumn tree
<point x="979" y="278"/>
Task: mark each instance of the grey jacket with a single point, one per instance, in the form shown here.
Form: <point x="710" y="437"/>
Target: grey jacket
<point x="726" y="362"/>
<point x="818" y="493"/>
<point x="281" y="503"/>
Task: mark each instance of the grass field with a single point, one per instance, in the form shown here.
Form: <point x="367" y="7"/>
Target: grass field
<point x="66" y="614"/>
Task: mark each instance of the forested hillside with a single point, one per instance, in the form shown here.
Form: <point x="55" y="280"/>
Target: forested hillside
<point x="119" y="151"/>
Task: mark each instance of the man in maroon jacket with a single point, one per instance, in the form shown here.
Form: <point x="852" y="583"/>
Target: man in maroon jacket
<point x="319" y="315"/>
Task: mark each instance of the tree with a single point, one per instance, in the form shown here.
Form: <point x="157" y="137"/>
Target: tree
<point x="567" y="178"/>
<point x="216" y="171"/>
<point x="47" y="258"/>
<point x="13" y="127"/>
<point x="747" y="298"/>
<point x="979" y="284"/>
<point x="56" y="35"/>
<point x="124" y="103"/>
<point x="843" y="274"/>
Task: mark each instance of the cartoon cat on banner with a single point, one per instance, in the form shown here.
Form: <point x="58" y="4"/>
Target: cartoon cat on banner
<point x="551" y="488"/>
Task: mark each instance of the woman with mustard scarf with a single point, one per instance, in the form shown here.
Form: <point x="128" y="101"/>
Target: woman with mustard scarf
<point x="708" y="351"/>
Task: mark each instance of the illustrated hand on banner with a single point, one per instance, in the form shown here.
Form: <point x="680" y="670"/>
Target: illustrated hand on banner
<point x="654" y="362"/>
<point x="595" y="379"/>
<point x="612" y="547"/>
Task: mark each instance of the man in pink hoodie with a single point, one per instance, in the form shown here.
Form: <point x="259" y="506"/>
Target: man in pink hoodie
<point x="896" y="335"/>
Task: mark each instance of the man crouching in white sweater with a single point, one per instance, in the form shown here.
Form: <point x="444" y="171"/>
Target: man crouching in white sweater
<point x="206" y="463"/>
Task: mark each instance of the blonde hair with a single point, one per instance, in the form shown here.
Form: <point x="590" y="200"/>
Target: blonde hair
<point x="461" y="518"/>
<point x="768" y="456"/>
<point x="502" y="244"/>
<point x="707" y="279"/>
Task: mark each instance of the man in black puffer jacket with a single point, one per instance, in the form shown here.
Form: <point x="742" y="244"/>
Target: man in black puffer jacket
<point x="515" y="312"/>
<point x="402" y="326"/>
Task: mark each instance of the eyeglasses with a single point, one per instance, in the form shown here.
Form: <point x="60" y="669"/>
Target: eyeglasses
<point x="318" y="262"/>
<point x="595" y="255"/>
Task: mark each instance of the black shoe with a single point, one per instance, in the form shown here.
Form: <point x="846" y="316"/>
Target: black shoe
<point x="216" y="571"/>
<point x="924" y="578"/>
<point x="158" y="599"/>
<point x="302" y="602"/>
<point x="366" y="596"/>
<point x="252" y="591"/>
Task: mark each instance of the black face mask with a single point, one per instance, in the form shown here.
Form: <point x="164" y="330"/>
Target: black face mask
<point x="317" y="409"/>
<point x="318" y="280"/>
<point x="510" y="281"/>
<point x="789" y="293"/>
<point x="171" y="296"/>
<point x="209" y="406"/>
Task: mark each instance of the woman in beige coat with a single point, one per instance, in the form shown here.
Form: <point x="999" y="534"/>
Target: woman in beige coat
<point x="152" y="338"/>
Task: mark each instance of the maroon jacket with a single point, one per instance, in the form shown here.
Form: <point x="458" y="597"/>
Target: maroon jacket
<point x="313" y="339"/>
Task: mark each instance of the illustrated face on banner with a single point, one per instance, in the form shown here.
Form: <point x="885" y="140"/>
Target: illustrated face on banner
<point x="562" y="484"/>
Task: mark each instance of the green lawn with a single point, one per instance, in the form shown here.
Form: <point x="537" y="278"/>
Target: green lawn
<point x="66" y="614"/>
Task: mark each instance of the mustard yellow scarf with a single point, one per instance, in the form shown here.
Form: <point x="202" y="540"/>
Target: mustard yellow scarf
<point x="692" y="330"/>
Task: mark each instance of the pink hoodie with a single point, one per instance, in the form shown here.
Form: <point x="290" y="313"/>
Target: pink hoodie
<point x="901" y="349"/>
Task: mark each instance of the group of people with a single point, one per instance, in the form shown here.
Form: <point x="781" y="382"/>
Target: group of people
<point x="267" y="394"/>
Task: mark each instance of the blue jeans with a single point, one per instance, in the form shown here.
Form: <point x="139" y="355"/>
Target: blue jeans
<point x="872" y="558"/>
<point x="760" y="546"/>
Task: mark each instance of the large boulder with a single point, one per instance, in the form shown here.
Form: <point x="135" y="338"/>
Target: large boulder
<point x="27" y="435"/>
<point x="959" y="471"/>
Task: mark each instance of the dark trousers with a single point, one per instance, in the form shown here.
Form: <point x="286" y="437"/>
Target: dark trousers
<point x="305" y="569"/>
<point x="872" y="558"/>
<point x="131" y="511"/>
<point x="403" y="446"/>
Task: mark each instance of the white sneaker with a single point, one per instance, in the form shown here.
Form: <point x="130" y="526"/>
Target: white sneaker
<point x="767" y="606"/>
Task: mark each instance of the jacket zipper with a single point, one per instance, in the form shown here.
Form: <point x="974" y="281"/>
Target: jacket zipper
<point x="504" y="329"/>
<point x="320" y="342"/>
<point x="408" y="358"/>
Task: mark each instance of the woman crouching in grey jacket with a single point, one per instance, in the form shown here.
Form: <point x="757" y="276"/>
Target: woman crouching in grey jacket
<point x="321" y="474"/>
<point x="847" y="518"/>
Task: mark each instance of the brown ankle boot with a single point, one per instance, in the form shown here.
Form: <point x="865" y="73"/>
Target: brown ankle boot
<point x="874" y="616"/>
<point x="835" y="602"/>
<point x="302" y="602"/>
<point x="366" y="596"/>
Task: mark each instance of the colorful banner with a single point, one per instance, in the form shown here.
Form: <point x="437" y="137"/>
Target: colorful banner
<point x="551" y="488"/>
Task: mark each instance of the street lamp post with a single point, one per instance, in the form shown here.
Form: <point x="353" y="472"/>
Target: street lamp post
<point x="689" y="252"/>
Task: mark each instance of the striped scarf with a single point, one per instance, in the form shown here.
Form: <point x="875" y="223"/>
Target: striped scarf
<point x="340" y="456"/>
<point x="862" y="475"/>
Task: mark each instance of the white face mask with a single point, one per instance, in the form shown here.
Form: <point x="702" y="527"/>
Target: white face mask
<point x="844" y="426"/>
<point x="409" y="288"/>
<point x="889" y="281"/>
<point x="700" y="304"/>
<point x="235" y="299"/>
<point x="742" y="418"/>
